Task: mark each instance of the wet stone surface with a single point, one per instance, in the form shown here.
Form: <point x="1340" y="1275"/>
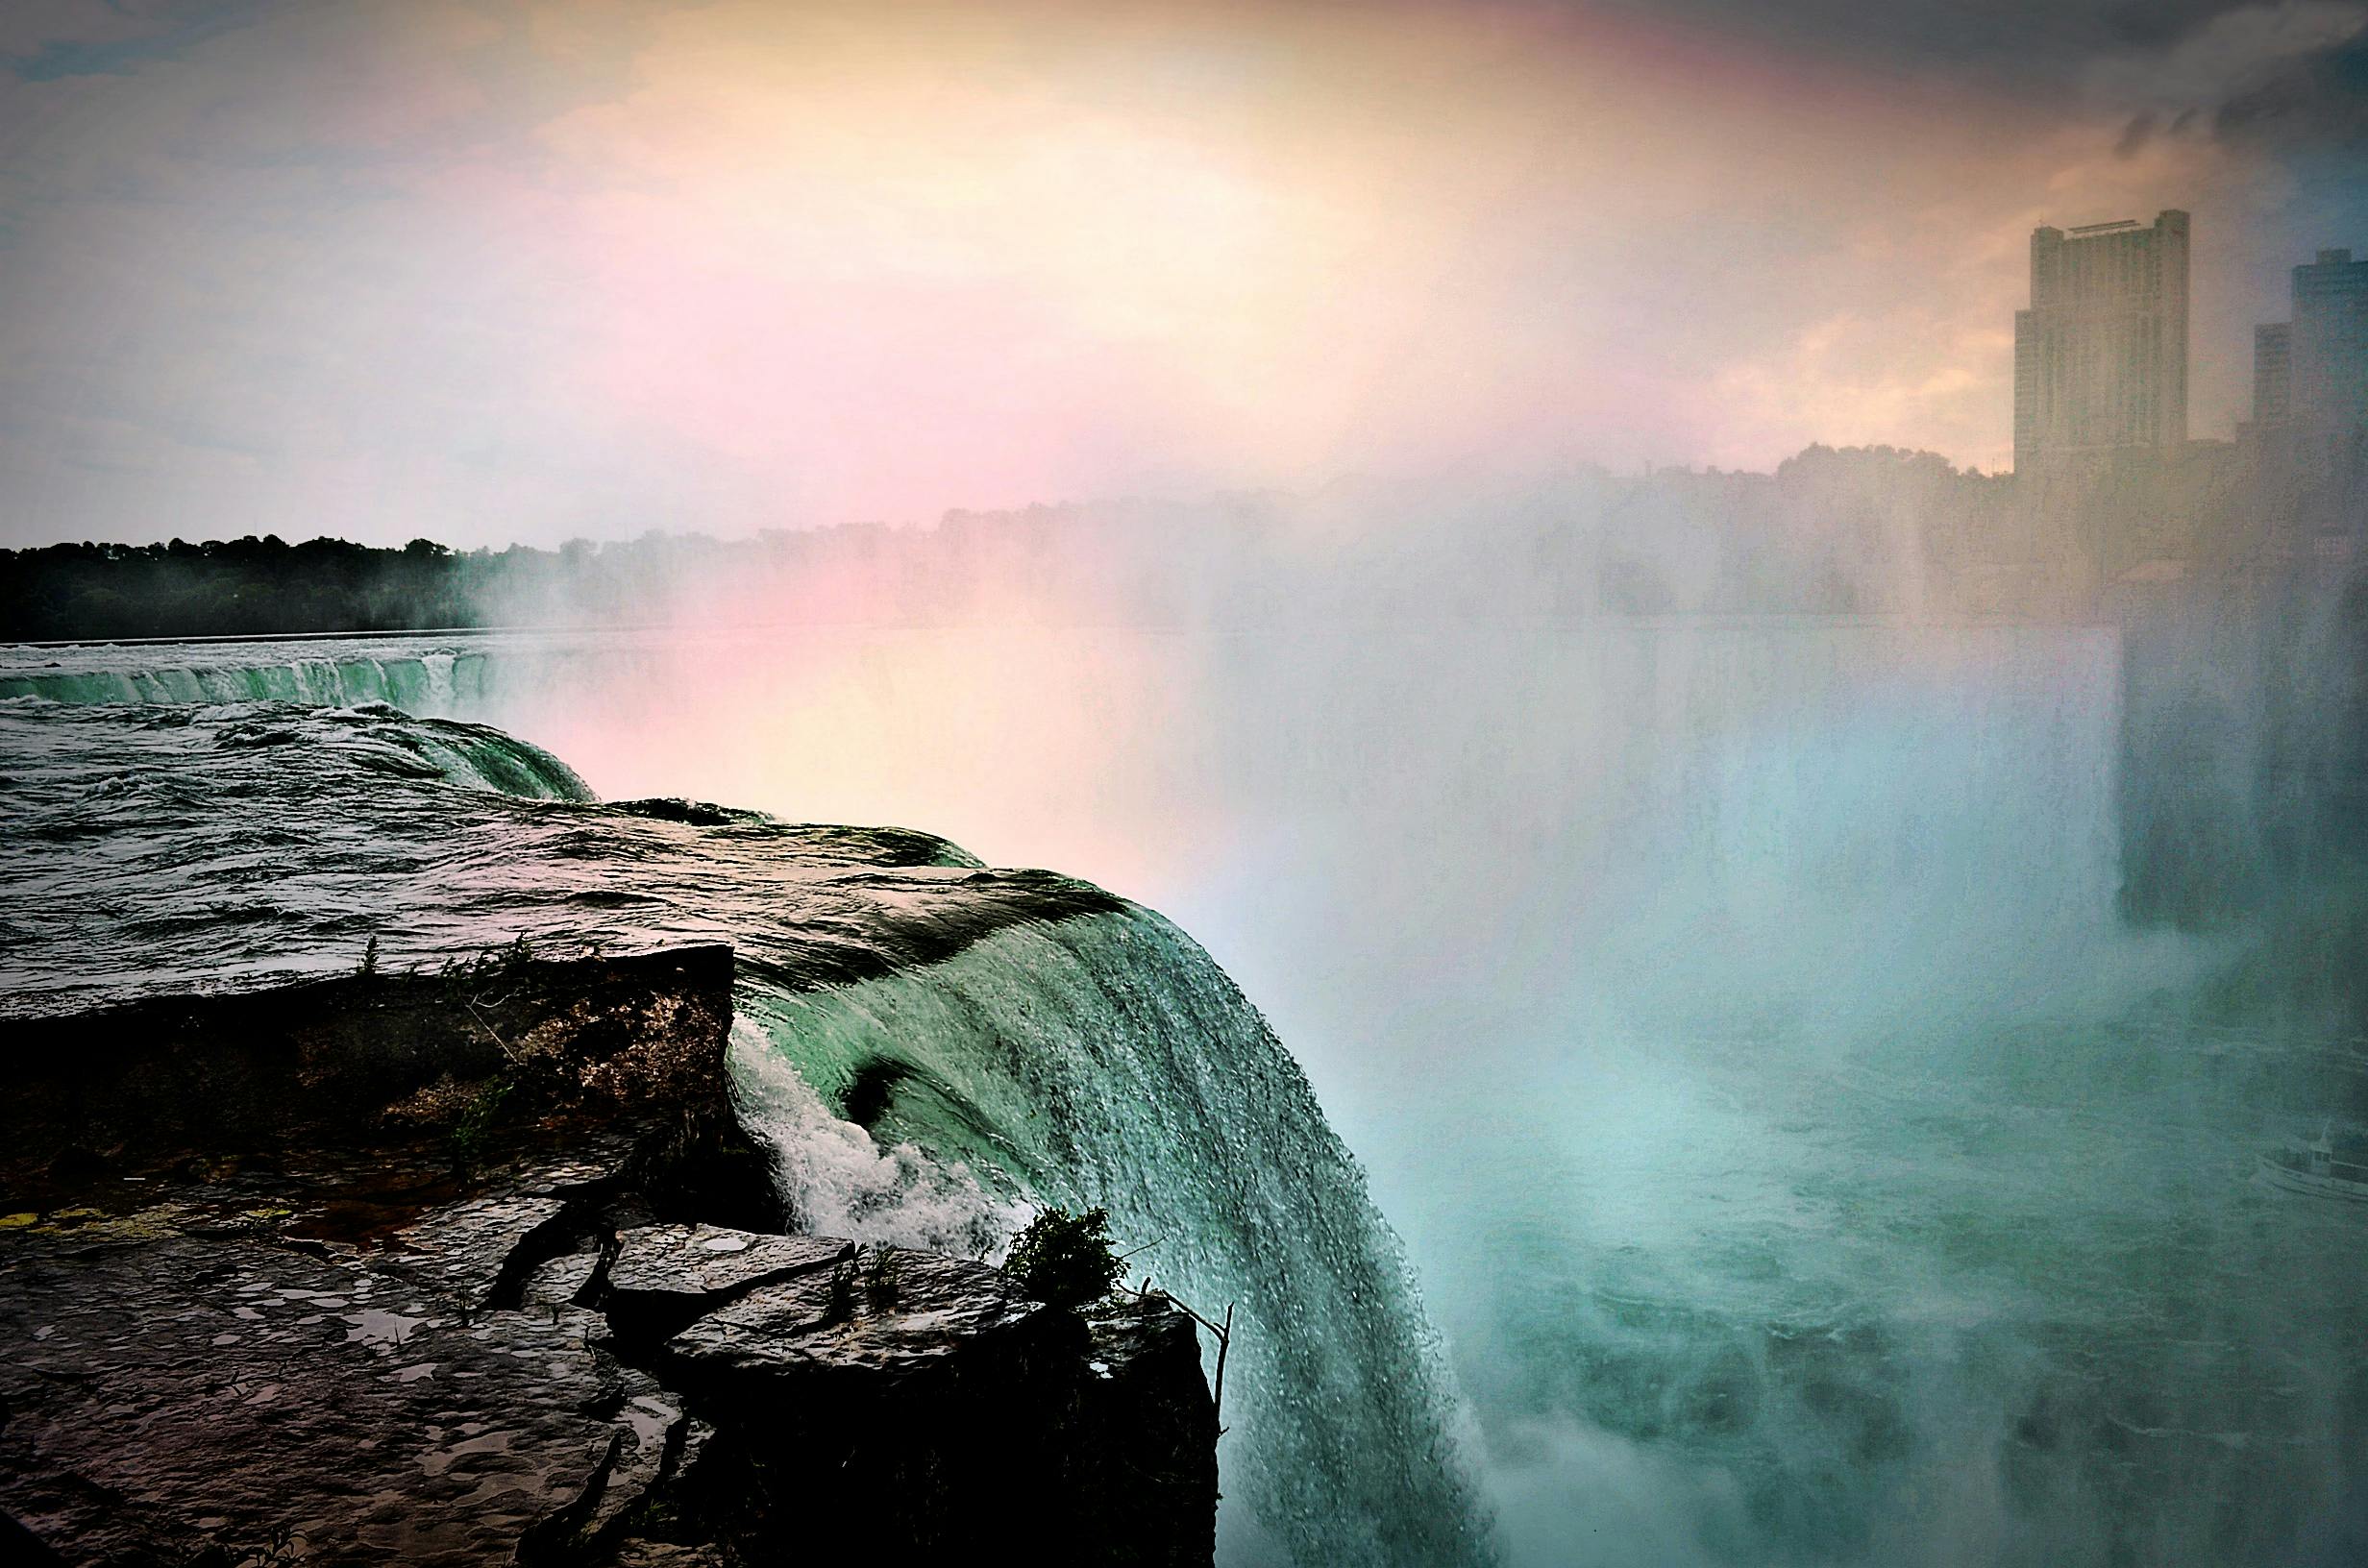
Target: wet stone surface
<point x="887" y="1312"/>
<point x="522" y="1376"/>
<point x="369" y="1338"/>
<point x="477" y="1251"/>
<point x="173" y="1397"/>
<point x="662" y="1277"/>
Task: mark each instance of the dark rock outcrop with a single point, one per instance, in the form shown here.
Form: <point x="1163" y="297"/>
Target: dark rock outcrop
<point x="192" y="1400"/>
<point x="595" y="1055"/>
<point x="948" y="1410"/>
<point x="479" y="1268"/>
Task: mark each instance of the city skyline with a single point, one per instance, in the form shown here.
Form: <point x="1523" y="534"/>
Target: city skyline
<point x="2100" y="353"/>
<point x="503" y="270"/>
<point x="2312" y="368"/>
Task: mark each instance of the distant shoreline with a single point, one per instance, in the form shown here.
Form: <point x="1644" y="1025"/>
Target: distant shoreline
<point x="319" y="636"/>
<point x="1699" y="618"/>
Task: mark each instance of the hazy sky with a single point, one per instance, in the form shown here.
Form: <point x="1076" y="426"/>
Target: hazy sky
<point x="493" y="269"/>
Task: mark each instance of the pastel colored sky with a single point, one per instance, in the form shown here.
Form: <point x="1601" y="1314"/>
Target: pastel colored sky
<point x="497" y="269"/>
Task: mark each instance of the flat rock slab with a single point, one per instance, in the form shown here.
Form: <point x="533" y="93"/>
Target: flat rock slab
<point x="471" y="1250"/>
<point x="885" y="1312"/>
<point x="176" y="1397"/>
<point x="663" y="1276"/>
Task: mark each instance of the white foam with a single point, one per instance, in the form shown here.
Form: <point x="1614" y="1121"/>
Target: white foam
<point x="839" y="1182"/>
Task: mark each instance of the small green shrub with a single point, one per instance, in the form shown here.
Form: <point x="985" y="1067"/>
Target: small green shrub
<point x="474" y="1126"/>
<point x="839" y="1305"/>
<point x="1065" y="1259"/>
<point x="879" y="1278"/>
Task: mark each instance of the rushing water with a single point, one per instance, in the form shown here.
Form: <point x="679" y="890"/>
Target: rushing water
<point x="1043" y="1039"/>
<point x="1805" y="1162"/>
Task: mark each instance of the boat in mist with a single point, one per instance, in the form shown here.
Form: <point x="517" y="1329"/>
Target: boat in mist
<point x="2335" y="1165"/>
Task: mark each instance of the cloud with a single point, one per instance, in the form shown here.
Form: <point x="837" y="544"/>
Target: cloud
<point x="2289" y="76"/>
<point x="2023" y="46"/>
<point x="250" y="287"/>
<point x="47" y="39"/>
<point x="29" y="27"/>
<point x="2268" y="104"/>
<point x="494" y="269"/>
<point x="2314" y="105"/>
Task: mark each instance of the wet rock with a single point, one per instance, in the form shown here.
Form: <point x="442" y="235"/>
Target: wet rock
<point x="479" y="1061"/>
<point x="1148" y="1433"/>
<point x="172" y="1399"/>
<point x="480" y="1252"/>
<point x="663" y="1277"/>
<point x="339" y="1342"/>
<point x="886" y="1315"/>
<point x="948" y="1410"/>
<point x="666" y="1554"/>
<point x="563" y="1280"/>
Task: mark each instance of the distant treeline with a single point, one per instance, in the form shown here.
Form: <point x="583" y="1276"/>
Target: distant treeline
<point x="266" y="586"/>
<point x="251" y="586"/>
<point x="229" y="588"/>
<point x="1854" y="531"/>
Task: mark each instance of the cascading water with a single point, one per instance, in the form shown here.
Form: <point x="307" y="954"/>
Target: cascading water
<point x="1037" y="1037"/>
<point x="1805" y="1161"/>
<point x="1107" y="1061"/>
<point x="424" y="676"/>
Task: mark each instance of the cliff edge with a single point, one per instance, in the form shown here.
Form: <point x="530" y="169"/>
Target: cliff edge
<point x="478" y="1266"/>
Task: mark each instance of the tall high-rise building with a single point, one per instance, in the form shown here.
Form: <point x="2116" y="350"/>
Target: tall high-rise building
<point x="2314" y="370"/>
<point x="2101" y="357"/>
<point x="2272" y="372"/>
<point x="2331" y="340"/>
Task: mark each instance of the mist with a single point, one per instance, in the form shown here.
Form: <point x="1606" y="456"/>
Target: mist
<point x="1740" y="1024"/>
<point x="494" y="273"/>
<point x="1497" y="520"/>
<point x="1807" y="960"/>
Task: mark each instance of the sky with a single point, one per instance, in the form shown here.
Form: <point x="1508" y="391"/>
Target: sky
<point x="524" y="270"/>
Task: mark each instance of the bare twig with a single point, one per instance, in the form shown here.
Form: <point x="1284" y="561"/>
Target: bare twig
<point x="1224" y="1333"/>
<point x="500" y="1044"/>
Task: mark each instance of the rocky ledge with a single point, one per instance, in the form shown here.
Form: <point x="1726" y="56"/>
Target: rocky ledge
<point x="477" y="1268"/>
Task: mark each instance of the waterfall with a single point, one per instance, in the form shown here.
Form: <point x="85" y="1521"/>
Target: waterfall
<point x="1735" y="1018"/>
<point x="428" y="681"/>
<point x="931" y="1047"/>
<point x="1106" y="1060"/>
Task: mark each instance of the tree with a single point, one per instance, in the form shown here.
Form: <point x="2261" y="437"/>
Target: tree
<point x="1064" y="1260"/>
